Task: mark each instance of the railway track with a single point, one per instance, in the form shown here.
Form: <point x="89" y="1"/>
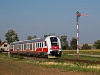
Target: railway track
<point x="63" y="60"/>
<point x="82" y="61"/>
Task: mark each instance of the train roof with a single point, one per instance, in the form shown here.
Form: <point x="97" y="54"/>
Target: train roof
<point x="29" y="41"/>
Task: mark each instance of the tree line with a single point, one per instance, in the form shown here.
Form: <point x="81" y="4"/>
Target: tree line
<point x="12" y="36"/>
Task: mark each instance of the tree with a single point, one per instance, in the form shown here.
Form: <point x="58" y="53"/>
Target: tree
<point x="97" y="44"/>
<point x="73" y="44"/>
<point x="46" y="35"/>
<point x="11" y="36"/>
<point x="50" y="34"/>
<point x="31" y="37"/>
<point x="85" y="46"/>
<point x="64" y="42"/>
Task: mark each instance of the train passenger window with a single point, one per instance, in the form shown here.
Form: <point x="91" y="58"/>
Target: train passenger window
<point x="19" y="46"/>
<point x="38" y="45"/>
<point x="34" y="46"/>
<point x="24" y="46"/>
<point x="45" y="43"/>
<point x="42" y="44"/>
<point x="15" y="47"/>
<point x="11" y="46"/>
<point x="31" y="46"/>
<point x="27" y="45"/>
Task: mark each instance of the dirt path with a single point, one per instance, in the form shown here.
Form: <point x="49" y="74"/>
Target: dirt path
<point x="10" y="67"/>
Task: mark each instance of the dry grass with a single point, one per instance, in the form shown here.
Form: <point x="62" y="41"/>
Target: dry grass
<point x="12" y="67"/>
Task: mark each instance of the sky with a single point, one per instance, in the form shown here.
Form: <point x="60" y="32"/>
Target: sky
<point x="39" y="17"/>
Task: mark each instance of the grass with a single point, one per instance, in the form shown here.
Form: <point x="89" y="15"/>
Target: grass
<point x="81" y="57"/>
<point x="69" y="66"/>
<point x="92" y="52"/>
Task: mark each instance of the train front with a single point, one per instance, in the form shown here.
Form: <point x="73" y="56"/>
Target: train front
<point x="54" y="46"/>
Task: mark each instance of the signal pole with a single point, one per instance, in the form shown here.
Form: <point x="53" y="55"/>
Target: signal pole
<point x="77" y="30"/>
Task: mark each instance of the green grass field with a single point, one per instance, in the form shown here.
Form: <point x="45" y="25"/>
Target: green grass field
<point x="90" y="52"/>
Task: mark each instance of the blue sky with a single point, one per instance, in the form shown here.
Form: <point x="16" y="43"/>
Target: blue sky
<point x="39" y="17"/>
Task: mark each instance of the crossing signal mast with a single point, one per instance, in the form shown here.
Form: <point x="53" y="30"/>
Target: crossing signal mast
<point x="77" y="30"/>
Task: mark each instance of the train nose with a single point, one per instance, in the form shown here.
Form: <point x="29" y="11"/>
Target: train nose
<point x="55" y="47"/>
<point x="55" y="53"/>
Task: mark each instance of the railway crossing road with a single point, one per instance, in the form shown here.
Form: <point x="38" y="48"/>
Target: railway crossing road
<point x="86" y="55"/>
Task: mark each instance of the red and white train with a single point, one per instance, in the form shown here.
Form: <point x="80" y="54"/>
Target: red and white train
<point x="48" y="47"/>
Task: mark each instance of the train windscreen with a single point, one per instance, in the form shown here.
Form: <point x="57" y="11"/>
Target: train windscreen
<point x="54" y="41"/>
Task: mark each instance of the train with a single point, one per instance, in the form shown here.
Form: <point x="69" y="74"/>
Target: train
<point x="41" y="47"/>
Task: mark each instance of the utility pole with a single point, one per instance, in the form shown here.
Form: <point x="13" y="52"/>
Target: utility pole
<point x="77" y="30"/>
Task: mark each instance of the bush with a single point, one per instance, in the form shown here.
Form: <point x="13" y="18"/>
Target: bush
<point x="1" y="50"/>
<point x="86" y="46"/>
<point x="97" y="44"/>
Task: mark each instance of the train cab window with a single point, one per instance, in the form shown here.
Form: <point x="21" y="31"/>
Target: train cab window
<point x="54" y="41"/>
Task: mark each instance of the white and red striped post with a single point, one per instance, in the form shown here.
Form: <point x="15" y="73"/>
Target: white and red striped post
<point x="77" y="30"/>
<point x="77" y="35"/>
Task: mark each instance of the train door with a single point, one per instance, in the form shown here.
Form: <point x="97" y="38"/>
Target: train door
<point x="45" y="49"/>
<point x="41" y="46"/>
